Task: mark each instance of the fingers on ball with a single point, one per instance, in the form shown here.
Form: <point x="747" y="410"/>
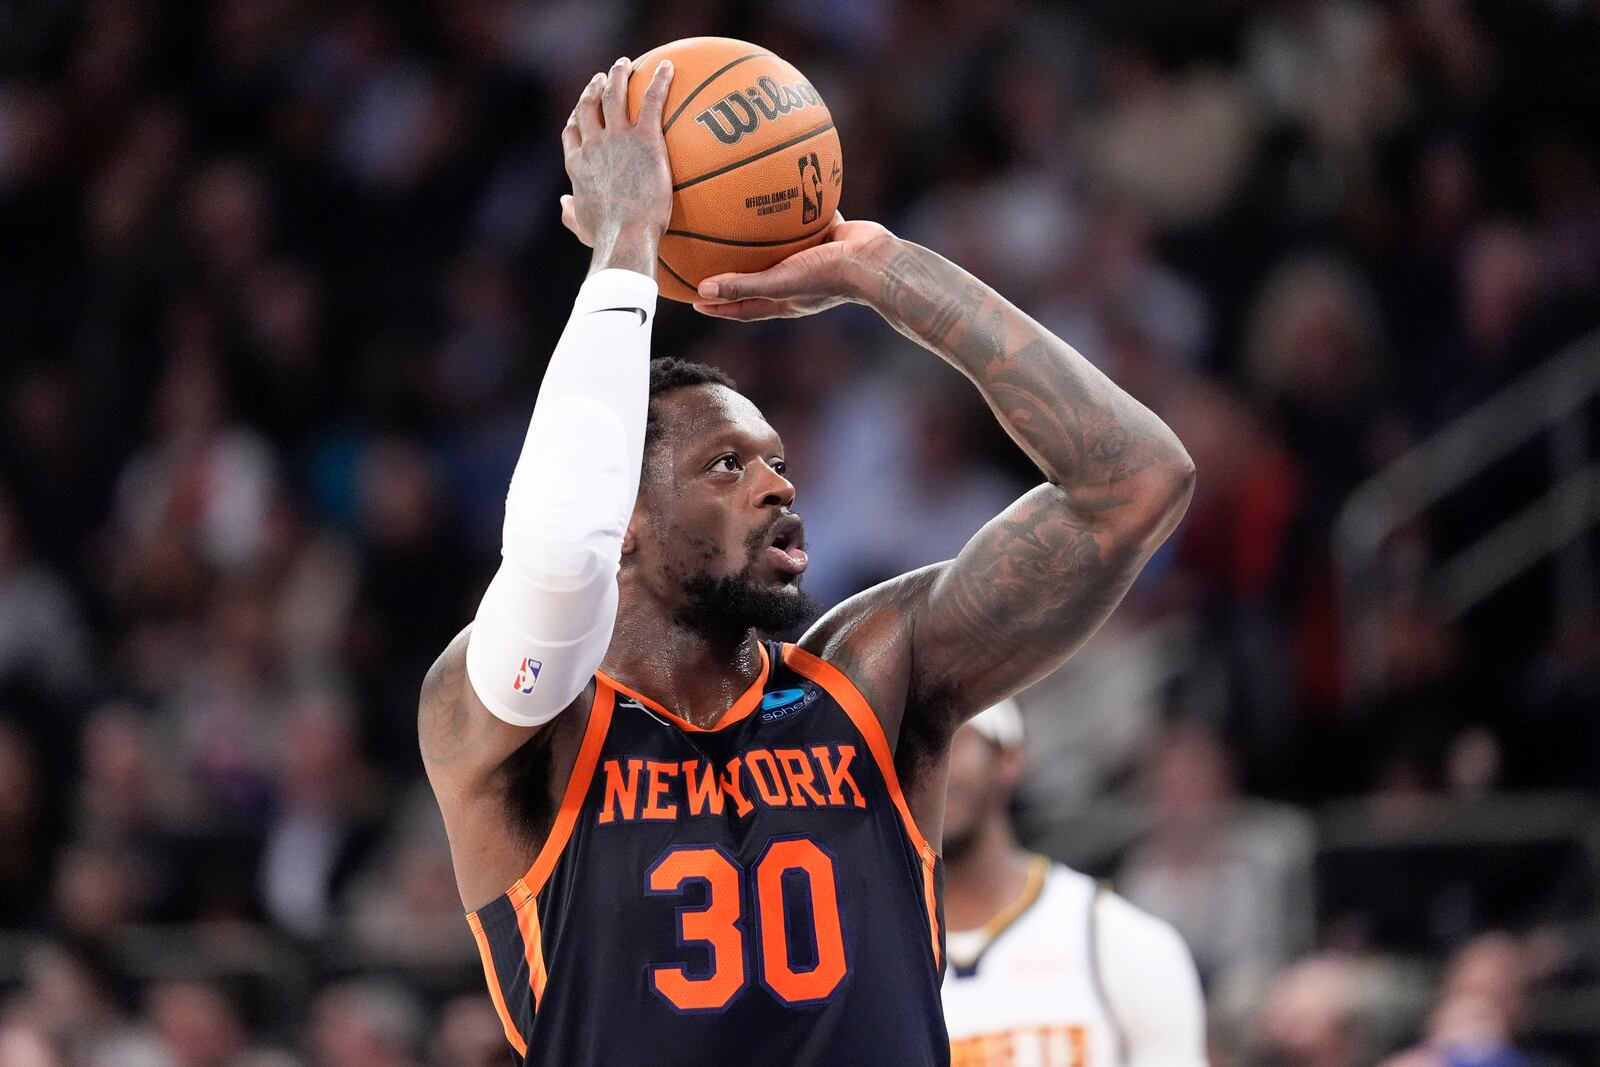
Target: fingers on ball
<point x="655" y="96"/>
<point x="614" y="105"/>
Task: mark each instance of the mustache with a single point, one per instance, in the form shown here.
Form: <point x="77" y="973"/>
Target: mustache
<point x="757" y="541"/>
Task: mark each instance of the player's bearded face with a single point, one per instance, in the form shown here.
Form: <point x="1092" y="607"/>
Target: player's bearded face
<point x="745" y="598"/>
<point x="723" y="549"/>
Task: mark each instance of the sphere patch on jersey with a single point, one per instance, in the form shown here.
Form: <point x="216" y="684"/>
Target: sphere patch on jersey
<point x="782" y="703"/>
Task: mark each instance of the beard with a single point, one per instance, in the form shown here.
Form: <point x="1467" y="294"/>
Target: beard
<point x="731" y="605"/>
<point x="961" y="843"/>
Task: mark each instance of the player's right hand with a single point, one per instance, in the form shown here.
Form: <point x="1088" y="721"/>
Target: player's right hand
<point x="619" y="172"/>
<point x="841" y="269"/>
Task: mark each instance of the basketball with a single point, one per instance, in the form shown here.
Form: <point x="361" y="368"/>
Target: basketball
<point x="756" y="167"/>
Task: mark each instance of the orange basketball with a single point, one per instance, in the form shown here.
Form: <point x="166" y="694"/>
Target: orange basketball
<point x="756" y="169"/>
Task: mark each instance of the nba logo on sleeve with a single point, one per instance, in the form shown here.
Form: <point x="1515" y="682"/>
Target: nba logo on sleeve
<point x="527" y="675"/>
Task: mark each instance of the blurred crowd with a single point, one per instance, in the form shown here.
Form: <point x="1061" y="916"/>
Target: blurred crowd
<point x="277" y="284"/>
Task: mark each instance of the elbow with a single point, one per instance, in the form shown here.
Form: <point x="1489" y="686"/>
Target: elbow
<point x="1180" y="489"/>
<point x="1161" y="502"/>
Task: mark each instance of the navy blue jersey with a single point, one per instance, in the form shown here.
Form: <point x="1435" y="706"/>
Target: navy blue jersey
<point x="756" y="892"/>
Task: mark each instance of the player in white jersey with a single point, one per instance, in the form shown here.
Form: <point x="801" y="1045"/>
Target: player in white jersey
<point x="1045" y="967"/>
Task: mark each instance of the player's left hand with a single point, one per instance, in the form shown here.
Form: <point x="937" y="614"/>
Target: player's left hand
<point x="809" y="281"/>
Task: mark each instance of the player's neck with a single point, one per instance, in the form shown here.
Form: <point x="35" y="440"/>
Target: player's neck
<point x="986" y="880"/>
<point x="692" y="674"/>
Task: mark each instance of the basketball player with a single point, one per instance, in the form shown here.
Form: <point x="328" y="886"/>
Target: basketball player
<point x="1046" y="967"/>
<point x="683" y="843"/>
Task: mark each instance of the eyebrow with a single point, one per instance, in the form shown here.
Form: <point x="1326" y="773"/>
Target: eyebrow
<point x="740" y="440"/>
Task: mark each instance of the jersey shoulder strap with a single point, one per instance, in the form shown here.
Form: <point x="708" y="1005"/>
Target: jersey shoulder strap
<point x="1119" y="1037"/>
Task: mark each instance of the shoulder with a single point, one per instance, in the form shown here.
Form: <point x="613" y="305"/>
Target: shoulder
<point x="1151" y="985"/>
<point x="1124" y="927"/>
<point x="867" y="638"/>
<point x="874" y="614"/>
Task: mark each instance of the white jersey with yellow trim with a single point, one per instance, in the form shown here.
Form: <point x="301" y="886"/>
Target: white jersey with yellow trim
<point x="1072" y="975"/>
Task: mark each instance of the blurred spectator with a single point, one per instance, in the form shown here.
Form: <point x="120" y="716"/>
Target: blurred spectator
<point x="325" y="819"/>
<point x="1153" y="117"/>
<point x="1091" y="722"/>
<point x="1235" y="557"/>
<point x="127" y="792"/>
<point x="410" y="912"/>
<point x="41" y="451"/>
<point x="42" y="642"/>
<point x="468" y="1034"/>
<point x="913" y="465"/>
<point x="25" y="833"/>
<point x="1134" y="316"/>
<point x="314" y="573"/>
<point x="410" y="601"/>
<point x="1481" y="1006"/>
<point x="227" y="217"/>
<point x="99" y="890"/>
<point x="364" y="1024"/>
<point x="194" y="1025"/>
<point x="66" y="1001"/>
<point x="1233" y="876"/>
<point x="1310" y="1016"/>
<point x="204" y="485"/>
<point x="26" y="1046"/>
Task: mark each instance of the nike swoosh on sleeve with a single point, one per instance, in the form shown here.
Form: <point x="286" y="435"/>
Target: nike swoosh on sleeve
<point x="639" y="311"/>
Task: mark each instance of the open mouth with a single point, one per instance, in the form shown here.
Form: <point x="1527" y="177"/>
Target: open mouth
<point x="785" y="549"/>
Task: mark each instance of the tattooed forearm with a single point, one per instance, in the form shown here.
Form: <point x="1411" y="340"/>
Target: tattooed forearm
<point x="1041" y="577"/>
<point x="1087" y="435"/>
<point x="922" y="305"/>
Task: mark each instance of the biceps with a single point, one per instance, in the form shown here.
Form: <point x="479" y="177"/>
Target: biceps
<point x="462" y="743"/>
<point x="1021" y="597"/>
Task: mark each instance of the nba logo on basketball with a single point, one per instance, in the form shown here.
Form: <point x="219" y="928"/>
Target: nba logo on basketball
<point x="527" y="675"/>
<point x="810" y="188"/>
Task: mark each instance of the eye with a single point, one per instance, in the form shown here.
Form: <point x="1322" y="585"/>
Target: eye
<point x="727" y="463"/>
<point x="780" y="466"/>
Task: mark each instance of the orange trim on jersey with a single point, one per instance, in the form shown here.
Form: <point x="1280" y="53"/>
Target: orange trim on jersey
<point x="741" y="707"/>
<point x="527" y="909"/>
<point x="594" y="738"/>
<point x="843" y="690"/>
<point x="494" y="986"/>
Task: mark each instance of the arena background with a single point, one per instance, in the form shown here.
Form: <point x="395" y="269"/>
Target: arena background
<point x="277" y="283"/>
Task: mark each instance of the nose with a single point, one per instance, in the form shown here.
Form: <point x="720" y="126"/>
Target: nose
<point x="771" y="489"/>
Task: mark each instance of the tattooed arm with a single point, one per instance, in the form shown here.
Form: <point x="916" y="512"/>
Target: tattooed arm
<point x="1042" y="576"/>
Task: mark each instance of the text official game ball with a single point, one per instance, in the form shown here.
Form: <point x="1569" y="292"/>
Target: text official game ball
<point x="756" y="169"/>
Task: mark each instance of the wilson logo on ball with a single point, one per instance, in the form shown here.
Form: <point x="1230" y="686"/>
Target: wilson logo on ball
<point x="740" y="113"/>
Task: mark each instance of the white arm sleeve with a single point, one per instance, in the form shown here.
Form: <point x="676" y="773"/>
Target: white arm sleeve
<point x="1151" y="986"/>
<point x="545" y="622"/>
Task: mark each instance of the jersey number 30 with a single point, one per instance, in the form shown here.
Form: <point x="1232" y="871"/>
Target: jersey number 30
<point x="717" y="924"/>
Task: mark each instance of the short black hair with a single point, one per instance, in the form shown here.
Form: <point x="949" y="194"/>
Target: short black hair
<point x="667" y="374"/>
